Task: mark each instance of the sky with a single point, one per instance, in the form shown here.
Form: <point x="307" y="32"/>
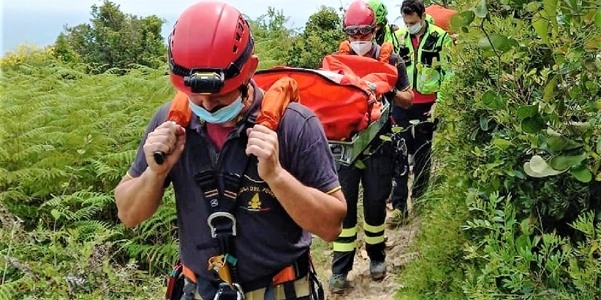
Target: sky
<point x="39" y="22"/>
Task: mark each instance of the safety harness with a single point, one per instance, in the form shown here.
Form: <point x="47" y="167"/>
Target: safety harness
<point x="222" y="203"/>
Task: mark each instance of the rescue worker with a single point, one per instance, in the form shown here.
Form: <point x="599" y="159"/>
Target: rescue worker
<point x="423" y="47"/>
<point x="385" y="32"/>
<point x="376" y="175"/>
<point x="248" y="198"/>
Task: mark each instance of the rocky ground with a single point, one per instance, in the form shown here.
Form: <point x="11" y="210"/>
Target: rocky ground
<point x="398" y="254"/>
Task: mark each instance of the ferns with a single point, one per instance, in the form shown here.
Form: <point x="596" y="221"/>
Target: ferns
<point x="89" y="229"/>
<point x="154" y="241"/>
<point x="10" y="290"/>
<point x="67" y="139"/>
<point x="158" y="257"/>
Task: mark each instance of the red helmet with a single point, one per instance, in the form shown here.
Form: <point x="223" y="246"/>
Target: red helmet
<point x="359" y="13"/>
<point x="210" y="48"/>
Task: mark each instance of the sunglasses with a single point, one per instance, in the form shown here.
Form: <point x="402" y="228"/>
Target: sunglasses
<point x="358" y="30"/>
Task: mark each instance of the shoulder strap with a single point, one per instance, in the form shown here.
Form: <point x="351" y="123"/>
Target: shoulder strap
<point x="385" y="51"/>
<point x="376" y="52"/>
<point x="344" y="47"/>
<point x="441" y="39"/>
<point x="395" y="39"/>
<point x="273" y="105"/>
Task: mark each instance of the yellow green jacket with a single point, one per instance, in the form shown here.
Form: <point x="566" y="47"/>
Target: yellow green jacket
<point x="425" y="68"/>
<point x="389" y="35"/>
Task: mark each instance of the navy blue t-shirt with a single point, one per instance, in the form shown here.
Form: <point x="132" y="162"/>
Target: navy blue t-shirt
<point x="268" y="239"/>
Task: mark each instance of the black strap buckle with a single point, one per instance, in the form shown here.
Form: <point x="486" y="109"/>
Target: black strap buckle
<point x="222" y="223"/>
<point x="229" y="292"/>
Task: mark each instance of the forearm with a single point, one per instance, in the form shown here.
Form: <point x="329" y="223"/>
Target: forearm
<point x="312" y="209"/>
<point x="138" y="198"/>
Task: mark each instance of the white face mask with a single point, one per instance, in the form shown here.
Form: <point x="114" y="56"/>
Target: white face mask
<point x="361" y="47"/>
<point x="415" y="28"/>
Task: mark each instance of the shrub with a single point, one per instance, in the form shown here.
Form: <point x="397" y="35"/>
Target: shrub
<point x="522" y="112"/>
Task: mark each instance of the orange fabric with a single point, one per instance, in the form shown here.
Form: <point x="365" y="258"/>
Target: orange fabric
<point x="285" y="275"/>
<point x="441" y="15"/>
<point x="345" y="104"/>
<point x="189" y="273"/>
<point x="339" y="109"/>
<point x="275" y="101"/>
<point x="386" y="50"/>
<point x="361" y="69"/>
<point x="180" y="111"/>
<point x="344" y="47"/>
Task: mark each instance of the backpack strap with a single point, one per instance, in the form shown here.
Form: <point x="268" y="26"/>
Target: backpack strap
<point x="385" y="51"/>
<point x="272" y="108"/>
<point x="344" y="47"/>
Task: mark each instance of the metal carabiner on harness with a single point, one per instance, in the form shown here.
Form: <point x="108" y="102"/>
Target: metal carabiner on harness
<point x="229" y="292"/>
<point x="221" y="214"/>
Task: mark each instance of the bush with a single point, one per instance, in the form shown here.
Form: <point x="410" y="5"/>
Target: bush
<point x="67" y="264"/>
<point x="67" y="139"/>
<point x="523" y="110"/>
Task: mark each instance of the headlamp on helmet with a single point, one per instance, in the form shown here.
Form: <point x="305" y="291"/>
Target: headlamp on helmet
<point x="205" y="82"/>
<point x="219" y="64"/>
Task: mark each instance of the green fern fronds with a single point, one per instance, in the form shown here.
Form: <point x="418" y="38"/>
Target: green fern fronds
<point x="12" y="289"/>
<point x="91" y="229"/>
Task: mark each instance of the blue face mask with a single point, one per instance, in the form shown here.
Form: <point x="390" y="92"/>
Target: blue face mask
<point x="223" y="115"/>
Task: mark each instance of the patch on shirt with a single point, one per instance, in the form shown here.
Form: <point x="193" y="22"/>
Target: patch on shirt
<point x="255" y="195"/>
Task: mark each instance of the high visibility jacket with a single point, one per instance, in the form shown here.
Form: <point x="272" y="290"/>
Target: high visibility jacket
<point x="424" y="68"/>
<point x="388" y="35"/>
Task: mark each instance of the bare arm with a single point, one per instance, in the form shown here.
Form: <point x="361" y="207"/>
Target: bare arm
<point x="403" y="97"/>
<point x="313" y="210"/>
<point x="138" y="198"/>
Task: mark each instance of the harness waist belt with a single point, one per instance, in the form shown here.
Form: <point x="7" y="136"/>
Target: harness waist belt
<point x="299" y="269"/>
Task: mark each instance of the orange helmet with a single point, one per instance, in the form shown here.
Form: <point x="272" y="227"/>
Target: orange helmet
<point x="209" y="49"/>
<point x="359" y="14"/>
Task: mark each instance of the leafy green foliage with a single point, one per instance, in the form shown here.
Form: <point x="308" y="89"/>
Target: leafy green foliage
<point x="321" y="36"/>
<point x="523" y="117"/>
<point x="68" y="138"/>
<point x="514" y="208"/>
<point x="66" y="264"/>
<point x="272" y="39"/>
<point x="113" y="40"/>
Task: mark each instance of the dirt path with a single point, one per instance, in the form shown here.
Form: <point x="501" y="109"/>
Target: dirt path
<point x="363" y="287"/>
